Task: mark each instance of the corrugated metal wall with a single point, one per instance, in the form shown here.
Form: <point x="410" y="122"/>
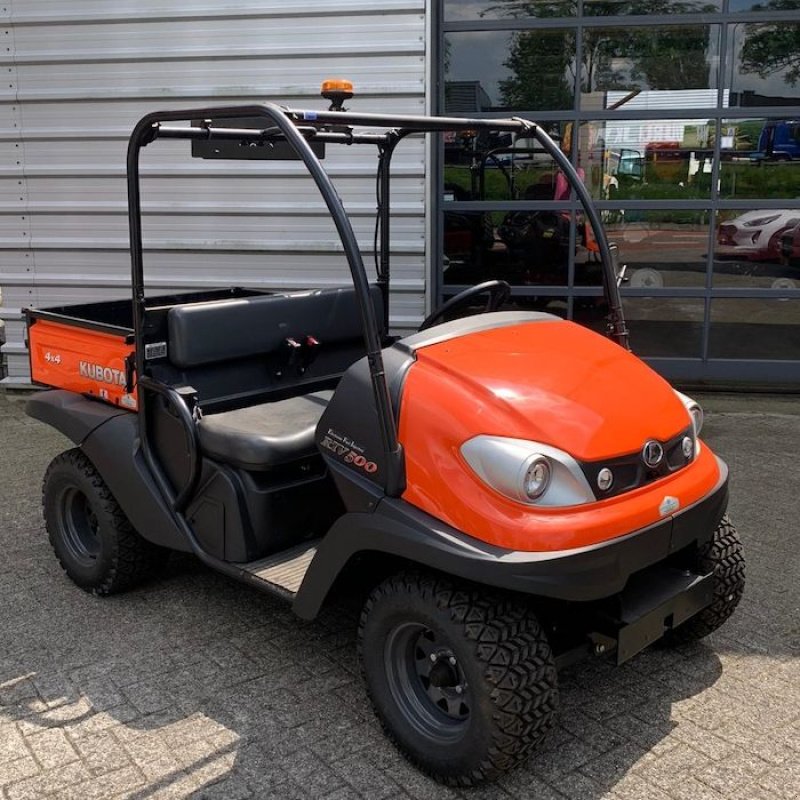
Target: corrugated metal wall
<point x="81" y="72"/>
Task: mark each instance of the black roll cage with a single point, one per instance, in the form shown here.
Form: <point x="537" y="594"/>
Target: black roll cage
<point x="298" y="127"/>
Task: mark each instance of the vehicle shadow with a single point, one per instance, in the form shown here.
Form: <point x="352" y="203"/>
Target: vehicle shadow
<point x="196" y="686"/>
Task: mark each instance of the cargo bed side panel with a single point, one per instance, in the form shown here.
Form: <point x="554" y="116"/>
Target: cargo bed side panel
<point x="80" y="360"/>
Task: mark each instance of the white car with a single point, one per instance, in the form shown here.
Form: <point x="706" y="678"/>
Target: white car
<point x="756" y="235"/>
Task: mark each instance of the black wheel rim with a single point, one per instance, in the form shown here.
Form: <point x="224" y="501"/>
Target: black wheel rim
<point x="427" y="682"/>
<point x="78" y="524"/>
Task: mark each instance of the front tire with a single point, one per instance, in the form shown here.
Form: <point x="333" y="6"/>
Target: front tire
<point x="723" y="556"/>
<point x="463" y="682"/>
<point x="92" y="538"/>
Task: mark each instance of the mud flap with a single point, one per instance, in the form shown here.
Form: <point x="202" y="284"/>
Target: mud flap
<point x="652" y="603"/>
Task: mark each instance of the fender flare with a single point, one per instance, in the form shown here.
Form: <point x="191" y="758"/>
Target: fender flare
<point x="109" y="437"/>
<point x="71" y="414"/>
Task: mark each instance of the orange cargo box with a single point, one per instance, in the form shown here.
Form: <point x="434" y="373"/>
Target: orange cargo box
<point x="88" y="348"/>
<point x="83" y="359"/>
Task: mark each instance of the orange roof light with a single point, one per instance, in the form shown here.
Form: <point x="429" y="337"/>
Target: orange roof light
<point x="337" y="85"/>
<point x="337" y="90"/>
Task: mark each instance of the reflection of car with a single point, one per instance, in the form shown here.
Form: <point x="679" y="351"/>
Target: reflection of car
<point x="756" y="235"/>
<point x="790" y="246"/>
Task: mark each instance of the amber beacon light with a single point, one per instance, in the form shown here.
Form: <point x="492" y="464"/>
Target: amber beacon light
<point x="337" y="90"/>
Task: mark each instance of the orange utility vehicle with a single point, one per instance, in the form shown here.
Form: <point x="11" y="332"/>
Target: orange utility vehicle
<point x="512" y="491"/>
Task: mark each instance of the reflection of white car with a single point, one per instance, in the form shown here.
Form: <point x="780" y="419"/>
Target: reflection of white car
<point x="756" y="235"/>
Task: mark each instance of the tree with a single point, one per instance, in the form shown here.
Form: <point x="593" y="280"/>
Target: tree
<point x="542" y="62"/>
<point x="773" y="47"/>
<point x="539" y="63"/>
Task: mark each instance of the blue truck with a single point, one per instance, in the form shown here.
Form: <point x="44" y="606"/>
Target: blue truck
<point x="779" y="141"/>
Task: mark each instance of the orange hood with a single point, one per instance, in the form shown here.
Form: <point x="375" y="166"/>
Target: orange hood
<point x="551" y="382"/>
<point x="548" y="381"/>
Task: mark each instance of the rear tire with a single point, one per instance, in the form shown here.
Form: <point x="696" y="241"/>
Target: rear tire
<point x="723" y="556"/>
<point x="92" y="538"/>
<point x="463" y="682"/>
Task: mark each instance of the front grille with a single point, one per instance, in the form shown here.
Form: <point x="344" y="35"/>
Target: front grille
<point x="630" y="471"/>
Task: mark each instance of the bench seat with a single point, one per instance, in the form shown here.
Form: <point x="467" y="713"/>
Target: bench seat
<point x="264" y="436"/>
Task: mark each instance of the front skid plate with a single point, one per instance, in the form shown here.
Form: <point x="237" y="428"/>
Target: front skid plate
<point x="653" y="603"/>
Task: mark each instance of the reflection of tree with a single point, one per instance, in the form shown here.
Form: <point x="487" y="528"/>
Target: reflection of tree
<point x="671" y="58"/>
<point x="771" y="47"/>
<point x="619" y="58"/>
<point x="538" y="62"/>
<point x="526" y="8"/>
<point x="603" y="8"/>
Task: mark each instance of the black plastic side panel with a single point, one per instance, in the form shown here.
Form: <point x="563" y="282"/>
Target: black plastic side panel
<point x="589" y="573"/>
<point x="114" y="450"/>
<point x="349" y="433"/>
<point x="169" y="440"/>
<point x="286" y="508"/>
<point x="216" y="514"/>
<point x="72" y="414"/>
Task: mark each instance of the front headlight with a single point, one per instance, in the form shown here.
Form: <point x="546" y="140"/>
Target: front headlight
<point x="694" y="409"/>
<point x="528" y="472"/>
<point x="696" y="413"/>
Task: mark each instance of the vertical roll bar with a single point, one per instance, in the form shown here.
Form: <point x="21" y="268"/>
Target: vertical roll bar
<point x="145" y="132"/>
<point x="616" y="320"/>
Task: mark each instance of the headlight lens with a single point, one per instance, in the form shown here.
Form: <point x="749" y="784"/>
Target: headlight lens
<point x="528" y="472"/>
<point x="605" y="479"/>
<point x="697" y="418"/>
<point x="693" y="407"/>
<point x="696" y="413"/>
<point x="761" y="221"/>
<point x="537" y="476"/>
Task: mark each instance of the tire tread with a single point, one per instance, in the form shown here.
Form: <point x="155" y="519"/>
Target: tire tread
<point x="135" y="559"/>
<point x="517" y="660"/>
<point x="723" y="556"/>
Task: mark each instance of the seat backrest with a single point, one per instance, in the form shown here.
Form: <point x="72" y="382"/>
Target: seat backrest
<point x="232" y="350"/>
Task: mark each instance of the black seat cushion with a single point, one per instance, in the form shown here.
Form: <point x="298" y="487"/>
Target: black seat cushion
<point x="265" y="436"/>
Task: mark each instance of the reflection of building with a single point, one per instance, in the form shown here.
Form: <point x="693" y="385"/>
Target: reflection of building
<point x="466" y="97"/>
<point x="655" y="119"/>
<point x="749" y="99"/>
<point x="663" y="117"/>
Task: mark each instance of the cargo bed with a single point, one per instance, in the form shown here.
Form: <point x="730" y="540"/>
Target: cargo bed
<point x="89" y="348"/>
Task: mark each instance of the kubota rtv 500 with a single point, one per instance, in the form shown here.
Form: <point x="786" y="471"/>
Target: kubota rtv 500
<point x="517" y="490"/>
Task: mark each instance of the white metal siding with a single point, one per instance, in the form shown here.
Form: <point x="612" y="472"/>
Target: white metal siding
<point x="80" y="73"/>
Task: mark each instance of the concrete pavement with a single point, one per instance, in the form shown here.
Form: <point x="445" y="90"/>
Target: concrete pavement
<point x="195" y="686"/>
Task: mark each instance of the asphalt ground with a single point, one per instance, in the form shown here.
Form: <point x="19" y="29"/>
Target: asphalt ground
<point x="196" y="686"/>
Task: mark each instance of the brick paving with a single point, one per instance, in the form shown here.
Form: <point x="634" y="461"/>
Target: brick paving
<point x="196" y="686"/>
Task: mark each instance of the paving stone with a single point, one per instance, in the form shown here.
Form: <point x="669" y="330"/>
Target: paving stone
<point x="728" y="775"/>
<point x="51" y="748"/>
<point x="151" y="755"/>
<point x="17" y="770"/>
<point x="102" y="753"/>
<point x="125" y="782"/>
<point x="12" y="743"/>
<point x="47" y="782"/>
<point x="364" y="777"/>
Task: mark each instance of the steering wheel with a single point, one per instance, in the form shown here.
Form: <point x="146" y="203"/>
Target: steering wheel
<point x="498" y="291"/>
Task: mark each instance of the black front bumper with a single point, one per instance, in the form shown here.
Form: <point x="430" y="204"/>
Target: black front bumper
<point x="602" y="570"/>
